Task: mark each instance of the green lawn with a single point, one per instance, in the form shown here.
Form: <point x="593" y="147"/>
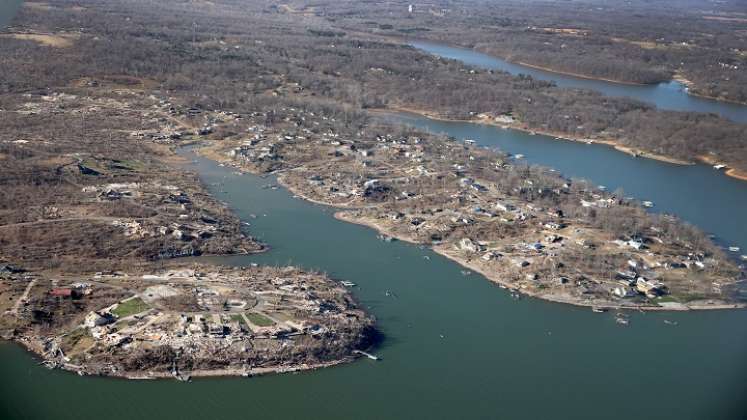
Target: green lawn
<point x="73" y="337"/>
<point x="667" y="298"/>
<point x="130" y="307"/>
<point x="239" y="318"/>
<point x="259" y="320"/>
<point x="131" y="165"/>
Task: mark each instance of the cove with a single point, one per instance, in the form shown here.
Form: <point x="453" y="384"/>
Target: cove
<point x="668" y="95"/>
<point x="454" y="345"/>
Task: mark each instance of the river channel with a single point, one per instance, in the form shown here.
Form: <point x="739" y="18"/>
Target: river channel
<point x="669" y="95"/>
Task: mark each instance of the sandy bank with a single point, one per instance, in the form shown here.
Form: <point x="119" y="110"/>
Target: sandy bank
<point x="578" y="75"/>
<point x="732" y="172"/>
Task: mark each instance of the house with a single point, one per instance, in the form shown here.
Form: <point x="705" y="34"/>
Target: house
<point x="554" y="212"/>
<point x="395" y="215"/>
<point x="504" y="206"/>
<point x="65" y="292"/>
<point x="650" y="288"/>
<point x="217" y="330"/>
<point x="551" y="239"/>
<point x="465" y="182"/>
<point x="554" y="226"/>
<point x="623" y="292"/>
<point x="521" y="263"/>
<point x="535" y="246"/>
<point x="97" y="319"/>
<point x="466" y="244"/>
<point x="478" y="187"/>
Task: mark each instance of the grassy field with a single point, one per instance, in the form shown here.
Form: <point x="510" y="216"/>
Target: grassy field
<point x="130" y="307"/>
<point x="259" y="320"/>
<point x="76" y="340"/>
<point x="240" y="319"/>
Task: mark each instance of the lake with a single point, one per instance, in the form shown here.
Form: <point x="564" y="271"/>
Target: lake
<point x="670" y="95"/>
<point x="8" y="9"/>
<point x="454" y="346"/>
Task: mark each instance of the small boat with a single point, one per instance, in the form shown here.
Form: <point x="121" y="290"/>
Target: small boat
<point x="602" y="188"/>
<point x="743" y="257"/>
<point x="466" y="272"/>
<point x="347" y="283"/>
<point x="734" y="248"/>
<point x="621" y="319"/>
<point x="519" y="156"/>
<point x="598" y="310"/>
<point x="668" y="322"/>
<point x="648" y="204"/>
<point x="469" y="141"/>
<point x="719" y="166"/>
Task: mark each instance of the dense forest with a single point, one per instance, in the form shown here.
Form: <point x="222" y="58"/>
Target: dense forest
<point x="226" y="56"/>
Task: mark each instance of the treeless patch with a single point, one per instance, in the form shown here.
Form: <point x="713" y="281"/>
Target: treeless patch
<point x="115" y="82"/>
<point x="42" y="6"/>
<point x="49" y="40"/>
<point x="726" y="19"/>
<point x="37" y="5"/>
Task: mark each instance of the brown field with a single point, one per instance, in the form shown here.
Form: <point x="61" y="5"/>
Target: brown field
<point x="50" y="40"/>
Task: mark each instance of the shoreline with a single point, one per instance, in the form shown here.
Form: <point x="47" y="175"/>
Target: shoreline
<point x="576" y="75"/>
<point x="34" y="345"/>
<point x="675" y="78"/>
<point x="556" y="136"/>
<point x="343" y="213"/>
<point x="343" y="216"/>
<point x="689" y="84"/>
<point x="729" y="171"/>
<point x="29" y="347"/>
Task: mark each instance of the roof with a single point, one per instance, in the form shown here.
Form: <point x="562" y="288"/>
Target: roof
<point x="62" y="292"/>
